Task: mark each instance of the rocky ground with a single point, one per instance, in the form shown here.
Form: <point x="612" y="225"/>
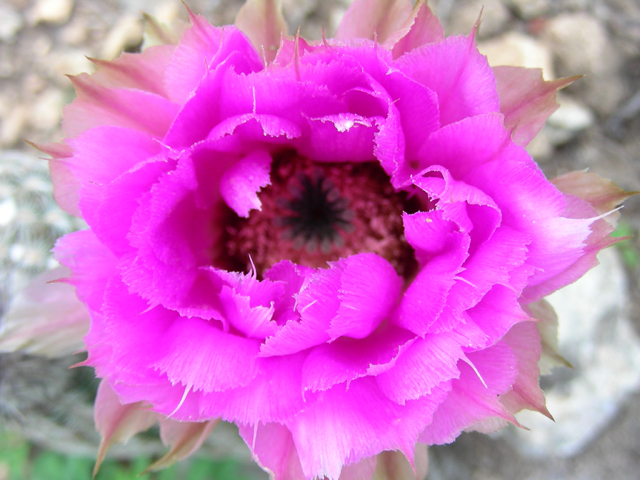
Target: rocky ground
<point x="596" y="405"/>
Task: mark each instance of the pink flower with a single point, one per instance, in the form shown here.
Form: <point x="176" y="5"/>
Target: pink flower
<point x="376" y="190"/>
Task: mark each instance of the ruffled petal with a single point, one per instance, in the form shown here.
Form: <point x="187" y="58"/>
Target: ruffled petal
<point x="474" y="396"/>
<point x="442" y="249"/>
<point x="240" y="184"/>
<point x="342" y="426"/>
<point x="188" y="64"/>
<point x="426" y="363"/>
<point x="458" y="73"/>
<point x="346" y="359"/>
<point x="369" y="289"/>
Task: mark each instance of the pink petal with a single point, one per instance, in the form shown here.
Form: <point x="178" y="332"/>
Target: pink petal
<point x="216" y="361"/>
<point x="346" y="359"/>
<point x="165" y="267"/>
<point x="188" y="64"/>
<point x="317" y="304"/>
<point x="141" y="71"/>
<point x="340" y="138"/>
<point x="122" y="197"/>
<point x="252" y="320"/>
<point x="524" y="341"/>
<point x="240" y="184"/>
<point x="272" y="447"/>
<point x="441" y="249"/>
<point x="91" y="264"/>
<point x="96" y="105"/>
<point x="421" y="28"/>
<point x="530" y="204"/>
<point x="469" y="400"/>
<point x="294" y="278"/>
<point x="252" y="128"/>
<point x="496" y="313"/>
<point x="100" y="156"/>
<point x="526" y="100"/>
<point x="418" y="109"/>
<point x="274" y="395"/>
<point x="293" y="48"/>
<point x="369" y="289"/>
<point x="343" y="426"/>
<point x="117" y="423"/>
<point x="45" y="318"/>
<point x="263" y="23"/>
<point x="457" y="73"/>
<point x="373" y="19"/>
<point x="226" y="91"/>
<point x="65" y="184"/>
<point x="424" y="365"/>
<point x="461" y="146"/>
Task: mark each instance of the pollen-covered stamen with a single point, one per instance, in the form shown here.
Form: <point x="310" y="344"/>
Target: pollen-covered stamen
<point x="316" y="212"/>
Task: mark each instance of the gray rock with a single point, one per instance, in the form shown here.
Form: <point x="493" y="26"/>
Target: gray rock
<point x="56" y="12"/>
<point x="529" y="9"/>
<point x="10" y="23"/>
<point x="581" y="46"/>
<point x="494" y="18"/>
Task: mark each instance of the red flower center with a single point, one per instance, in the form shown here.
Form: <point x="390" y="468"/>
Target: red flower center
<point x="315" y="212"/>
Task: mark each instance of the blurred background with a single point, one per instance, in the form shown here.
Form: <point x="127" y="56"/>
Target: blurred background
<point x="46" y="418"/>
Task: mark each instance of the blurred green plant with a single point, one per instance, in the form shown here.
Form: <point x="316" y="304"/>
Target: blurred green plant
<point x="19" y="460"/>
<point x="627" y="249"/>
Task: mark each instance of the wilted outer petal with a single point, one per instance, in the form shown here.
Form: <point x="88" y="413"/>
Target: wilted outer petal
<point x="183" y="438"/>
<point x="142" y="71"/>
<point x="395" y="466"/>
<point x="602" y="194"/>
<point x="272" y="447"/>
<point x="526" y="100"/>
<point x="373" y="19"/>
<point x="263" y="23"/>
<point x="524" y="341"/>
<point x="65" y="185"/>
<point x="45" y="318"/>
<point x="547" y="324"/>
<point x="117" y="423"/>
<point x="420" y="28"/>
<point x="97" y="105"/>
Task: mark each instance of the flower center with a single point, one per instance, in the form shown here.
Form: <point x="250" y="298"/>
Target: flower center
<point x="314" y="212"/>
